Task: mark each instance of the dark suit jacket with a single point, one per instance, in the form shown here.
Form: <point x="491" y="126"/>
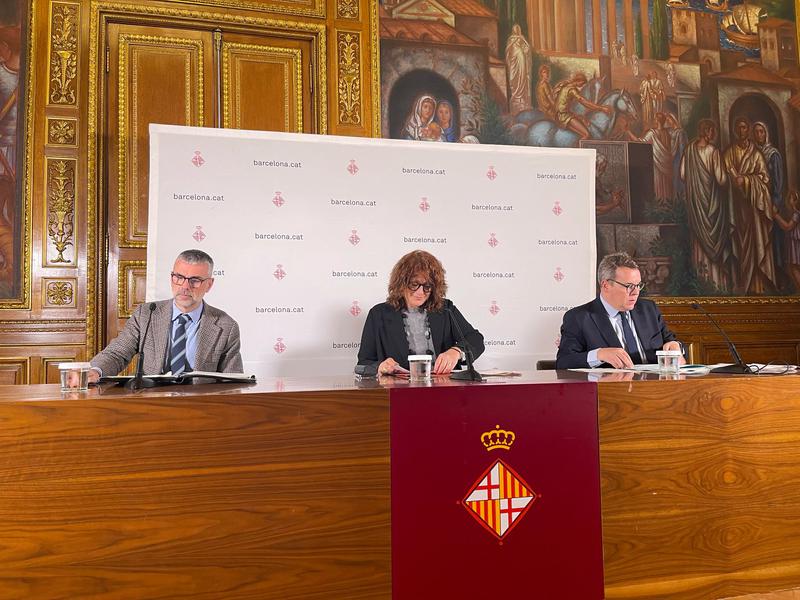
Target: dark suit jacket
<point x="384" y="334"/>
<point x="217" y="342"/>
<point x="587" y="327"/>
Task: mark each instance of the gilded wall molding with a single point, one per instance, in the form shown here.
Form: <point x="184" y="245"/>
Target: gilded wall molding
<point x="126" y="271"/>
<point x="745" y="300"/>
<point x="348" y="77"/>
<point x="375" y="74"/>
<point x="347" y="9"/>
<point x="59" y="293"/>
<point x="312" y="8"/>
<point x="63" y="52"/>
<point x="292" y="61"/>
<point x="60" y="192"/>
<point x="62" y="131"/>
<point x="129" y="45"/>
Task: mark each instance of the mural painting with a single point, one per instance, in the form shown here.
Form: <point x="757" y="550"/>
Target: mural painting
<point x="11" y="19"/>
<point x="692" y="106"/>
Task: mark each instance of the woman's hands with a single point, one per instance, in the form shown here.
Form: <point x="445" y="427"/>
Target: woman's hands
<point x="446" y="361"/>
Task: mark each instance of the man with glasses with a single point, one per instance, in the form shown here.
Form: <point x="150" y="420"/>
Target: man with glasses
<point x="185" y="333"/>
<point x="618" y="328"/>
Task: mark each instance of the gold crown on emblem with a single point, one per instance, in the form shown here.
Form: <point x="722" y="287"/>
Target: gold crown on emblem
<point x="498" y="439"/>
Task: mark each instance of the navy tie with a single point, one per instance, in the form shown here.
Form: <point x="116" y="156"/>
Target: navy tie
<point x="630" y="341"/>
<point x="177" y="362"/>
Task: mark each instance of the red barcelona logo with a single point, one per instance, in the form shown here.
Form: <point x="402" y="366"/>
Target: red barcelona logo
<point x="500" y="497"/>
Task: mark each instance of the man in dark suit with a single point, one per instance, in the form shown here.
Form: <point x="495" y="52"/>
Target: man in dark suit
<point x="185" y="333"/>
<point x="618" y="328"/>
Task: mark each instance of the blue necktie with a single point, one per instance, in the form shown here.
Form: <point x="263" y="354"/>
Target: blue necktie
<point x="630" y="341"/>
<point x="177" y="362"/>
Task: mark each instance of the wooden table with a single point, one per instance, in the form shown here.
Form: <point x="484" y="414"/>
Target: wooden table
<point x="232" y="492"/>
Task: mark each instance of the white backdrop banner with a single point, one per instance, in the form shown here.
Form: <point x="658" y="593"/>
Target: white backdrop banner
<point x="304" y="231"/>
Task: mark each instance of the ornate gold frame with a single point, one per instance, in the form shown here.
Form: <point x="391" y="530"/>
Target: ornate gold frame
<point x="23" y="300"/>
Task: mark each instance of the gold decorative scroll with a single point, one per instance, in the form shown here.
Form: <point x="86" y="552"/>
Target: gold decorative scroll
<point x="347" y="9"/>
<point x="63" y="53"/>
<point x="348" y="48"/>
<point x="60" y="207"/>
<point x="62" y="132"/>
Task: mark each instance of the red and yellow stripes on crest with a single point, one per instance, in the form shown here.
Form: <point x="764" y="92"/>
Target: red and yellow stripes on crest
<point x="489" y="512"/>
<point x="510" y="487"/>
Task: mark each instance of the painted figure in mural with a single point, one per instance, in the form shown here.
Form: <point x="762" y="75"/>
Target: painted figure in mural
<point x="418" y="124"/>
<point x="9" y="101"/>
<point x="707" y="207"/>
<point x="623" y="56"/>
<point x="671" y="78"/>
<point x="635" y="64"/>
<point x="651" y="94"/>
<point x="791" y="225"/>
<point x="647" y="102"/>
<point x="444" y="119"/>
<point x="518" y="65"/>
<point x="659" y="95"/>
<point x="776" y="182"/>
<point x="679" y="142"/>
<point x="663" y="142"/>
<point x="601" y="117"/>
<point x="751" y="212"/>
<point x="613" y="50"/>
<point x="545" y="101"/>
<point x="606" y="198"/>
<point x="569" y="92"/>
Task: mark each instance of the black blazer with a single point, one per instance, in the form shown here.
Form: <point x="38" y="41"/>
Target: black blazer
<point x="587" y="327"/>
<point x="384" y="334"/>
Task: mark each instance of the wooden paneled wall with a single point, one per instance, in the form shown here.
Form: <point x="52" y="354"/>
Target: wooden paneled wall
<point x="84" y="203"/>
<point x="83" y="248"/>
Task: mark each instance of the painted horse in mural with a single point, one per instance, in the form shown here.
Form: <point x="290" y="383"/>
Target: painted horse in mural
<point x="600" y="124"/>
<point x="539" y="130"/>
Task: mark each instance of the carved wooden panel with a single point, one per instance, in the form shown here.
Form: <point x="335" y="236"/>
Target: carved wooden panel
<point x="15" y="370"/>
<point x="349" y="100"/>
<point x="132" y="286"/>
<point x="151" y="69"/>
<point x="265" y="83"/>
<point x="50" y="368"/>
<point x="60" y="212"/>
<point x="64" y="46"/>
<point x="59" y="292"/>
<point x="62" y="131"/>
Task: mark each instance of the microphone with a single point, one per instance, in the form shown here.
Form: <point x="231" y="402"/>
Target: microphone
<point x="468" y="374"/>
<point x="740" y="367"/>
<point x="139" y="381"/>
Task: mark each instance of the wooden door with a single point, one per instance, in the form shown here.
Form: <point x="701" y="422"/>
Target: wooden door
<point x="155" y="75"/>
<point x="178" y="76"/>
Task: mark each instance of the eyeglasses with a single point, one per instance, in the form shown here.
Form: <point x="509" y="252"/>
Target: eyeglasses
<point x="630" y="287"/>
<point x="194" y="282"/>
<point x="415" y="285"/>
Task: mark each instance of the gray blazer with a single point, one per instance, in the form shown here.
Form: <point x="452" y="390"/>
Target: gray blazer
<point x="218" y="342"/>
